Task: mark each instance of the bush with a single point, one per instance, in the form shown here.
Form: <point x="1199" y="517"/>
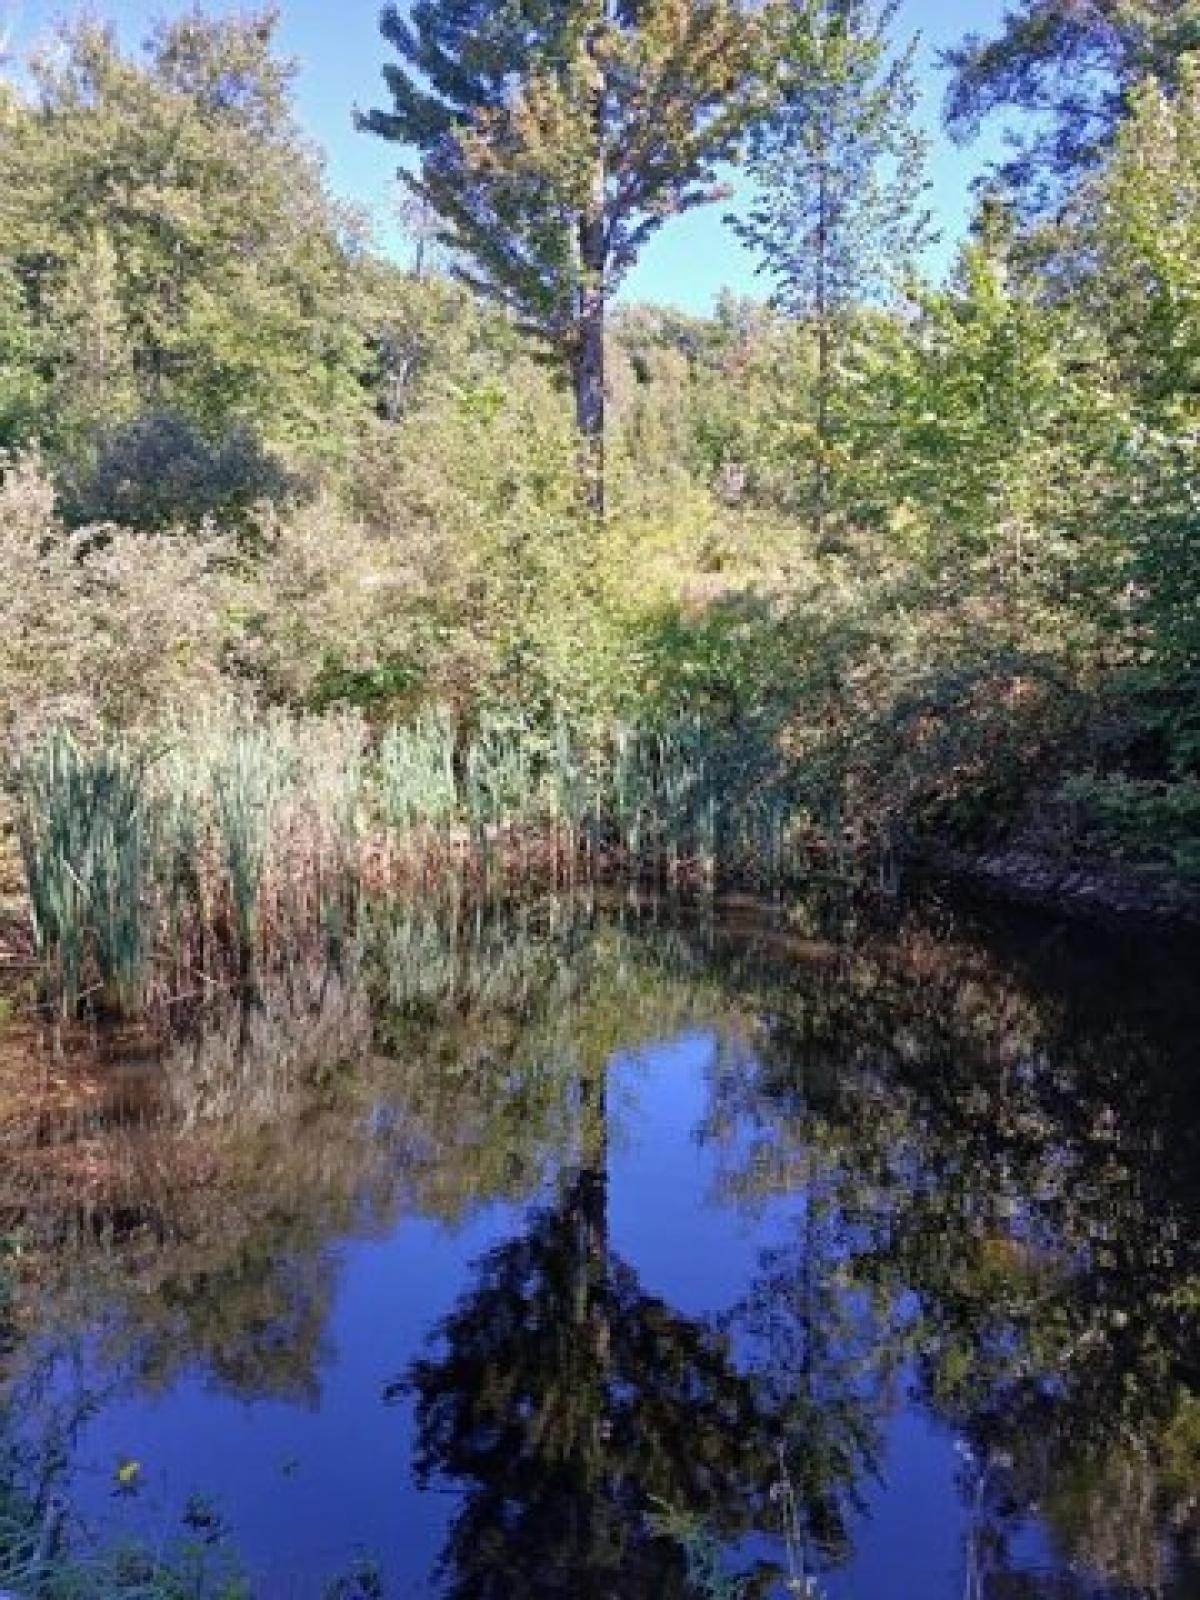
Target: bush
<point x="160" y="472"/>
<point x="103" y="625"/>
<point x="1137" y="819"/>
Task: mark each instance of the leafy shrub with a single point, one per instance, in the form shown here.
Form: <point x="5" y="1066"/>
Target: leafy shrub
<point x="102" y="628"/>
<point x="1137" y="819"/>
<point x="161" y="472"/>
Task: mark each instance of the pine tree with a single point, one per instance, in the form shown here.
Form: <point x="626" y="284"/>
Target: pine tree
<point x="556" y="137"/>
<point x="839" y="177"/>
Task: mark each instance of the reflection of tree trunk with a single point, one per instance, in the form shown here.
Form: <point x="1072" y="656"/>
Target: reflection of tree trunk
<point x="810" y="1314"/>
<point x="589" y="1205"/>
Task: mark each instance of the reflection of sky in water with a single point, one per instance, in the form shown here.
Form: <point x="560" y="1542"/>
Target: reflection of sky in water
<point x="305" y="1488"/>
<point x="319" y="1484"/>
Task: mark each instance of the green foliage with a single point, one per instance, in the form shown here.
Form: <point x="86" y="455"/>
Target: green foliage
<point x="514" y="113"/>
<point x="144" y="855"/>
<point x="22" y="385"/>
<point x="1145" y="228"/>
<point x="108" y="624"/>
<point x="898" y="565"/>
<point x="838" y="168"/>
<point x="993" y="423"/>
<point x="416" y="773"/>
<point x="554" y="142"/>
<point x="1075" y="67"/>
<point x="214" y="279"/>
<point x="82" y="824"/>
<point x="246" y="780"/>
<point x="210" y="848"/>
<point x="836" y="217"/>
<point x="1140" y="818"/>
<point x="159" y="472"/>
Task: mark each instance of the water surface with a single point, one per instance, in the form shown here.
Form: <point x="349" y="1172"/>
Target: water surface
<point x="562" y="1253"/>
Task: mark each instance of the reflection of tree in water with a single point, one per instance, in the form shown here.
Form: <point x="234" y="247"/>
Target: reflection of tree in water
<point x="999" y="1171"/>
<point x="1016" y="1167"/>
<point x="565" y="1401"/>
<point x="823" y="1346"/>
<point x="1063" y="1331"/>
<point x="434" y="1077"/>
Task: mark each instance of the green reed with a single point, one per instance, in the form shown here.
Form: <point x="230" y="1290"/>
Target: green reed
<point x="152" y="867"/>
<point x="202" y="857"/>
<point x="86" y="833"/>
<point x="247" y="783"/>
<point x="415" y="773"/>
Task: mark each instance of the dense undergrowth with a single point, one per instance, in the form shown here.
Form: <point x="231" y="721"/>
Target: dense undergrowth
<point x="328" y="490"/>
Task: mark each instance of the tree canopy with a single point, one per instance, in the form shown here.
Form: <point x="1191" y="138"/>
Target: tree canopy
<point x="1072" y="68"/>
<point x="555" y="140"/>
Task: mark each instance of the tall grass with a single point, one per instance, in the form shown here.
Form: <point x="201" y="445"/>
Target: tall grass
<point x="416" y="784"/>
<point x="246" y="786"/>
<point x="672" y="804"/>
<point x="152" y="869"/>
<point x="87" y="840"/>
<point x="196" y="860"/>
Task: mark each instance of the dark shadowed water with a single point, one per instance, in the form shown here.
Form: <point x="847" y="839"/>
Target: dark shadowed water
<point x="584" y="1252"/>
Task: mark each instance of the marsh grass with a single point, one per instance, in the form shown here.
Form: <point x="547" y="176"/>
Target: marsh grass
<point x="230" y="840"/>
<point x="151" y="869"/>
<point x="676" y="806"/>
<point x="86" y="843"/>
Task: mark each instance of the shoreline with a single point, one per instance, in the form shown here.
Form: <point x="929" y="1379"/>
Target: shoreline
<point x="1109" y="894"/>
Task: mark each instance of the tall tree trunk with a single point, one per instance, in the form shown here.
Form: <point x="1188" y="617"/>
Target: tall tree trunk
<point x="593" y="294"/>
<point x="589" y="387"/>
<point x="824" y="366"/>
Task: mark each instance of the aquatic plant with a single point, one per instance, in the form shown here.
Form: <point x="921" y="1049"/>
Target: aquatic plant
<point x="246" y="785"/>
<point x="676" y="804"/>
<point x="86" y="833"/>
<point x="414" y="772"/>
<point x="202" y="854"/>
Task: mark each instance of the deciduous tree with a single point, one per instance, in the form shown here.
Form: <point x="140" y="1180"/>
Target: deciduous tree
<point x="1072" y="67"/>
<point x="839" y="178"/>
<point x="169" y="229"/>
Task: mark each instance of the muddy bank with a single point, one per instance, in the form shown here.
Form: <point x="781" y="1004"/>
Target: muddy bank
<point x="1093" y="892"/>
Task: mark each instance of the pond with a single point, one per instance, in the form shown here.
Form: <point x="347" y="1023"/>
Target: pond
<point x="614" y="1251"/>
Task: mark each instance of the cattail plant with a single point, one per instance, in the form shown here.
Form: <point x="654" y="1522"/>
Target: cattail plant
<point x="86" y="833"/>
<point x="415" y="775"/>
<point x="236" y="837"/>
<point x="247" y="781"/>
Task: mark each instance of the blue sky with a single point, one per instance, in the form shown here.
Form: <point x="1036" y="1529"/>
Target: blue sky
<point x="338" y="45"/>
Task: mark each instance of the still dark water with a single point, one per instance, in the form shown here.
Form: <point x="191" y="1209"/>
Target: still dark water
<point x="576" y="1253"/>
